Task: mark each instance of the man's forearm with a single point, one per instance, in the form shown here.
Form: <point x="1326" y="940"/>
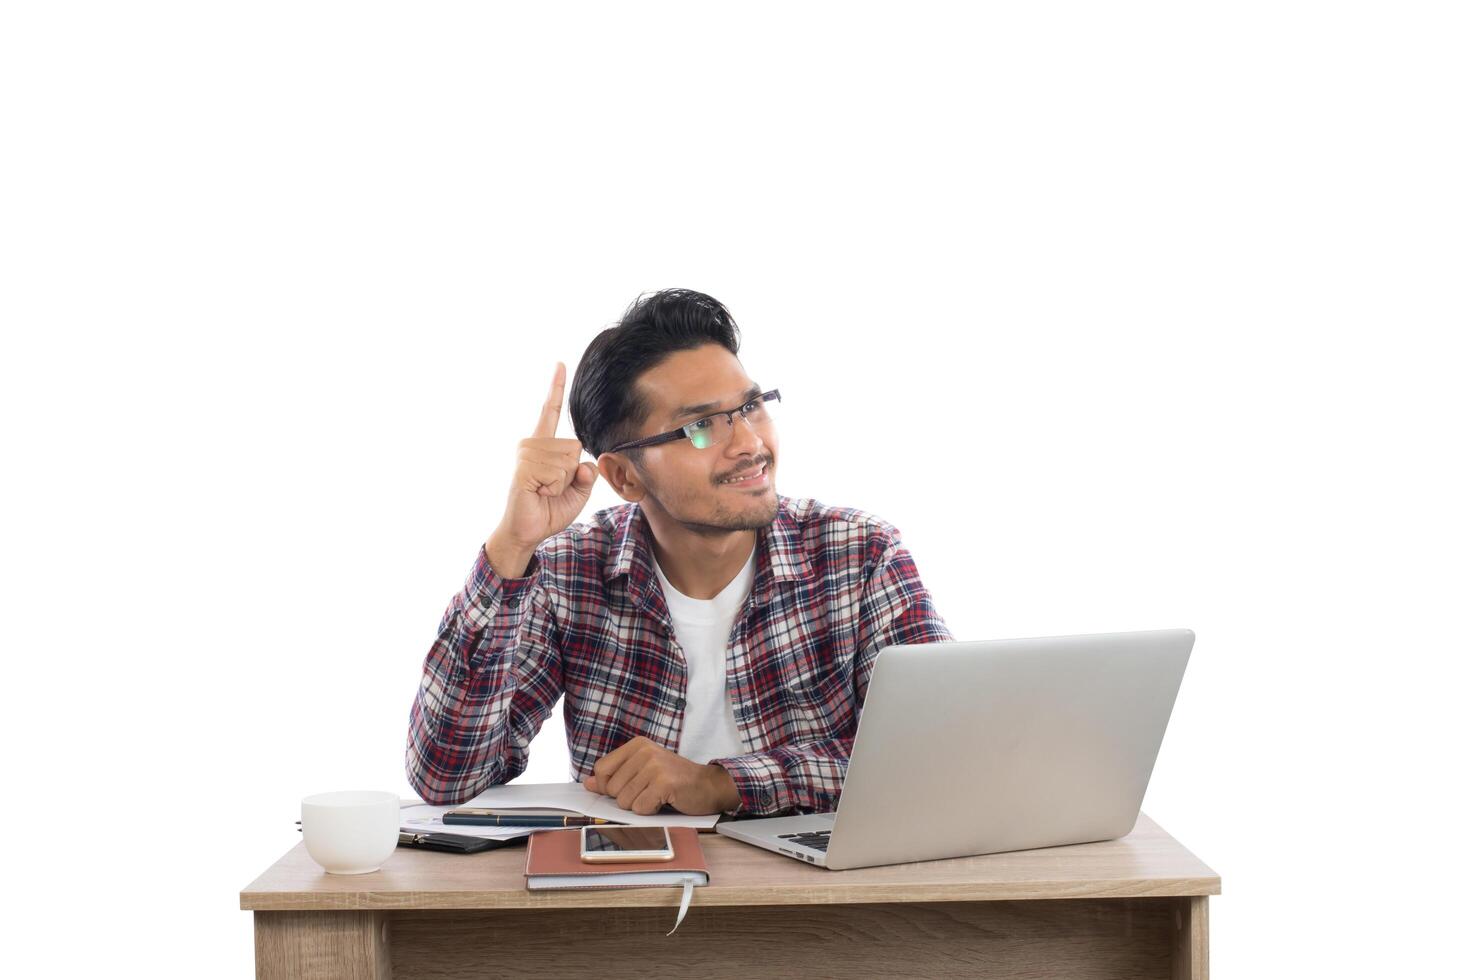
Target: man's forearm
<point x="507" y="560"/>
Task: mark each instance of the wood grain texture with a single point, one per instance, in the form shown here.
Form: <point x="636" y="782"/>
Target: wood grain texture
<point x="1191" y="939"/>
<point x="1088" y="939"/>
<point x="1145" y="863"/>
<point x="321" y="945"/>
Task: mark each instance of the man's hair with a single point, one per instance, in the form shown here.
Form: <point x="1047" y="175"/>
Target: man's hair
<point x="607" y="409"/>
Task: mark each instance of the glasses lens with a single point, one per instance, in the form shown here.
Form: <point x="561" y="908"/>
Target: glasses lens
<point x="716" y="430"/>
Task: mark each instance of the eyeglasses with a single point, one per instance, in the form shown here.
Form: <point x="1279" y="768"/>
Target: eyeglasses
<point x="714" y="430"/>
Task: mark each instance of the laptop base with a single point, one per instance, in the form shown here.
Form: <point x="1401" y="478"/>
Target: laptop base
<point x="784" y="835"/>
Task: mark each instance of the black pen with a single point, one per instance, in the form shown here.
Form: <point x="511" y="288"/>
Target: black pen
<point x="487" y="818"/>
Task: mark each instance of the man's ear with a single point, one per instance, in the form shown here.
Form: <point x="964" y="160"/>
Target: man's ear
<point x="621" y="477"/>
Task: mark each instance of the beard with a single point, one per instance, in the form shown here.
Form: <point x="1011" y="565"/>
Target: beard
<point x="708" y="515"/>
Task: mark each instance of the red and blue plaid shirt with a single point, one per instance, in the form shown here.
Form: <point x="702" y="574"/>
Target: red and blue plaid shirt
<point x="833" y="586"/>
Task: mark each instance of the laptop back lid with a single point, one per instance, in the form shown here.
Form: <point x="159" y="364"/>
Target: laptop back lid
<point x="973" y="747"/>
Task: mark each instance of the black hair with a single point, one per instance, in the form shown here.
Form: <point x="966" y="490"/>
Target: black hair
<point x="607" y="408"/>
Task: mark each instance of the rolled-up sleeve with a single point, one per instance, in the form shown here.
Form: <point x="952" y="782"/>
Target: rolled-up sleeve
<point x="490" y="680"/>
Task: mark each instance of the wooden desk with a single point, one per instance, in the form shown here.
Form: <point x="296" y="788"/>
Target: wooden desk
<point x="1133" y="907"/>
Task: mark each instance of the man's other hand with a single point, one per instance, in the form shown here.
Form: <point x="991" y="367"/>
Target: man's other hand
<point x="643" y="777"/>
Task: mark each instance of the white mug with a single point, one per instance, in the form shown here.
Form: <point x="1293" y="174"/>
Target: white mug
<point x="350" y="833"/>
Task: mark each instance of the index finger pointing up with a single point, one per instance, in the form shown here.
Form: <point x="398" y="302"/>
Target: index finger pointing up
<point x="551" y="411"/>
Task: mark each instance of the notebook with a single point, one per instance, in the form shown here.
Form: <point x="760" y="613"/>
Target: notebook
<point x="553" y="860"/>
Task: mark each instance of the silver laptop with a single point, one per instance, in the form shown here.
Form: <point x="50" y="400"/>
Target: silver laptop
<point x="997" y="745"/>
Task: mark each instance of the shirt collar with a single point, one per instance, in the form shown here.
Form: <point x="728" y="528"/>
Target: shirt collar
<point x="779" y="557"/>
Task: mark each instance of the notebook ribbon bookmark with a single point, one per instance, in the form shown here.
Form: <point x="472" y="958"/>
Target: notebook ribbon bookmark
<point x="683" y="905"/>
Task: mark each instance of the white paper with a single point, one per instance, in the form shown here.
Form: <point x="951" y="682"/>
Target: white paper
<point x="626" y="879"/>
<point x="577" y="799"/>
<point x="422" y="818"/>
<point x="554" y="799"/>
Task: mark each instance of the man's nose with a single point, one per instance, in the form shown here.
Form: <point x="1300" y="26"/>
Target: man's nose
<point x="745" y="438"/>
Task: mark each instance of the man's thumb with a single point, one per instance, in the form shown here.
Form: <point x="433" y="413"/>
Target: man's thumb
<point x="586" y="475"/>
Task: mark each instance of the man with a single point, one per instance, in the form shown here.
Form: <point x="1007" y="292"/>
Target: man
<point x="713" y="639"/>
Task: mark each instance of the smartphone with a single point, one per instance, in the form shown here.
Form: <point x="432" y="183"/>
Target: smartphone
<point x="625" y="844"/>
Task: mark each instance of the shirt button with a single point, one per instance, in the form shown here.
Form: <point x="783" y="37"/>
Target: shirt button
<point x="679" y="703"/>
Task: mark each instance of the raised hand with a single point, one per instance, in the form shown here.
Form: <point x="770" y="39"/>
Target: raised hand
<point x="550" y="486"/>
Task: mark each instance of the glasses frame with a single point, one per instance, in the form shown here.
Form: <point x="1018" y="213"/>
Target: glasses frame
<point x="682" y="431"/>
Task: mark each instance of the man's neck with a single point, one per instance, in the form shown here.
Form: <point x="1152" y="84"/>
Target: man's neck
<point x="700" y="566"/>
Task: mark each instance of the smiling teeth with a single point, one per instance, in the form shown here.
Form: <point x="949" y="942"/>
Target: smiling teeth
<point x="746" y="479"/>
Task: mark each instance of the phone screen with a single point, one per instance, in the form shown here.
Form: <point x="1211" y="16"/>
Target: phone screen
<point x="621" y="839"/>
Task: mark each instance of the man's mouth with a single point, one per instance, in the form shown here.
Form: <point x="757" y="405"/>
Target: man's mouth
<point x="756" y="478"/>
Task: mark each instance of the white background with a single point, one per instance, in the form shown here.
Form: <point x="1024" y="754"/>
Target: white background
<point x="1127" y="315"/>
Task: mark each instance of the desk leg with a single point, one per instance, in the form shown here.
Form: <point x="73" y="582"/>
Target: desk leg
<point x="1191" y="939"/>
<point x="322" y="946"/>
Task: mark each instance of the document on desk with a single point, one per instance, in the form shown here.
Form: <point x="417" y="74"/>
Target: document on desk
<point x="575" y="799"/>
<point x="542" y="798"/>
<point x="423" y="818"/>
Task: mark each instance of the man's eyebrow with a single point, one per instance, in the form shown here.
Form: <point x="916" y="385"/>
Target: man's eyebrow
<point x="749" y="393"/>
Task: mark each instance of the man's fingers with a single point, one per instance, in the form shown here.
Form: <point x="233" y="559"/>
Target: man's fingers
<point x="536" y="461"/>
<point x="648" y="802"/>
<point x="565" y="448"/>
<point x="635" y="787"/>
<point x="607" y="767"/>
<point x="551" y="411"/>
<point x="604" y="767"/>
<point x="545" y="477"/>
<point x="627" y="773"/>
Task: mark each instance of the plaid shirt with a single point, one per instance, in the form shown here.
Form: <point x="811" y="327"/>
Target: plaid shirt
<point x="832" y="587"/>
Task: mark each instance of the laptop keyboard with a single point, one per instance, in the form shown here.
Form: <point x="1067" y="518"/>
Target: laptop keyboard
<point x="815" y="839"/>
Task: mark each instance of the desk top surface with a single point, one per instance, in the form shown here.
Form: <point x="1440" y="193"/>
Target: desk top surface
<point x="1147" y="863"/>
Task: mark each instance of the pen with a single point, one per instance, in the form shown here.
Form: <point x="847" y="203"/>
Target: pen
<point x="485" y="818"/>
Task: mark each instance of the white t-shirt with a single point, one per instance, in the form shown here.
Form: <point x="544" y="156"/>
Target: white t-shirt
<point x="702" y="628"/>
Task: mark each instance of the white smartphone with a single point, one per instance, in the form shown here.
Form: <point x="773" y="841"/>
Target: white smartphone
<point x="601" y="843"/>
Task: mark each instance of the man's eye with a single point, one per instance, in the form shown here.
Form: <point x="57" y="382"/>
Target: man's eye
<point x="702" y="423"/>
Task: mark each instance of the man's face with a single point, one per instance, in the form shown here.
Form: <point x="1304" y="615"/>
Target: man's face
<point x="685" y="482"/>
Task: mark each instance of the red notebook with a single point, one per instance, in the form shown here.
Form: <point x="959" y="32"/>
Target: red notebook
<point x="553" y="860"/>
